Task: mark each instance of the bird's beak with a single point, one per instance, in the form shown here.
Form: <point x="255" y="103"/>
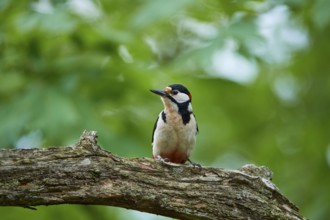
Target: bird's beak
<point x="162" y="93"/>
<point x="159" y="92"/>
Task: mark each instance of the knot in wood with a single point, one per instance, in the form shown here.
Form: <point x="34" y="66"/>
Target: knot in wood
<point x="88" y="140"/>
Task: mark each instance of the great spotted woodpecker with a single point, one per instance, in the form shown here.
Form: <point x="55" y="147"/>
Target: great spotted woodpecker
<point x="175" y="130"/>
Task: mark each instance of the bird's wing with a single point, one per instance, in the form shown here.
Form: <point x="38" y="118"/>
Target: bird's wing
<point x="153" y="131"/>
<point x="197" y="130"/>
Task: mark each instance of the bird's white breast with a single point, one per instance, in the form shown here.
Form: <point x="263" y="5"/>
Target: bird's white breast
<point x="173" y="137"/>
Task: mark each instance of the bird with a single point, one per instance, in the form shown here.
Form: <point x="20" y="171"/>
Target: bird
<point x="175" y="130"/>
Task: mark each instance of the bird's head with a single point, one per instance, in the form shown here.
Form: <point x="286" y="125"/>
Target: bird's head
<point x="175" y="96"/>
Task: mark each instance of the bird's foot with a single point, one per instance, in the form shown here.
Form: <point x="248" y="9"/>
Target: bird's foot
<point x="166" y="161"/>
<point x="195" y="164"/>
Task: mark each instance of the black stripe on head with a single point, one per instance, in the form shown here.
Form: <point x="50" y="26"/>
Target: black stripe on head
<point x="183" y="107"/>
<point x="180" y="88"/>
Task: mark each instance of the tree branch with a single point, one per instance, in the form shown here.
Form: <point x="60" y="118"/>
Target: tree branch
<point x="86" y="174"/>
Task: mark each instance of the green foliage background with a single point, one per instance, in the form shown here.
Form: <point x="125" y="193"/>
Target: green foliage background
<point x="66" y="66"/>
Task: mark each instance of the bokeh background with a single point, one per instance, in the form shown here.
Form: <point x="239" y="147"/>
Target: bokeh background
<point x="258" y="72"/>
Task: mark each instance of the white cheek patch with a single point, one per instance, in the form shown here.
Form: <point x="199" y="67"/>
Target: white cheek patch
<point x="181" y="97"/>
<point x="190" y="107"/>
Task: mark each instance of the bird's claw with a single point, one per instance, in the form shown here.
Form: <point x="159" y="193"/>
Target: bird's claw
<point x="166" y="161"/>
<point x="195" y="164"/>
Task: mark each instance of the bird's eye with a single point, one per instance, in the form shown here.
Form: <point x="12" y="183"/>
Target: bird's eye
<point x="174" y="92"/>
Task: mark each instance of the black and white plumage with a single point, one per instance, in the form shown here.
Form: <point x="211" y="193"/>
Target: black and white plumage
<point x="175" y="130"/>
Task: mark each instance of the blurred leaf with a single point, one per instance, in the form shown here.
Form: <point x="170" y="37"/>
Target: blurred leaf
<point x="321" y="15"/>
<point x="4" y="4"/>
<point x="149" y="13"/>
